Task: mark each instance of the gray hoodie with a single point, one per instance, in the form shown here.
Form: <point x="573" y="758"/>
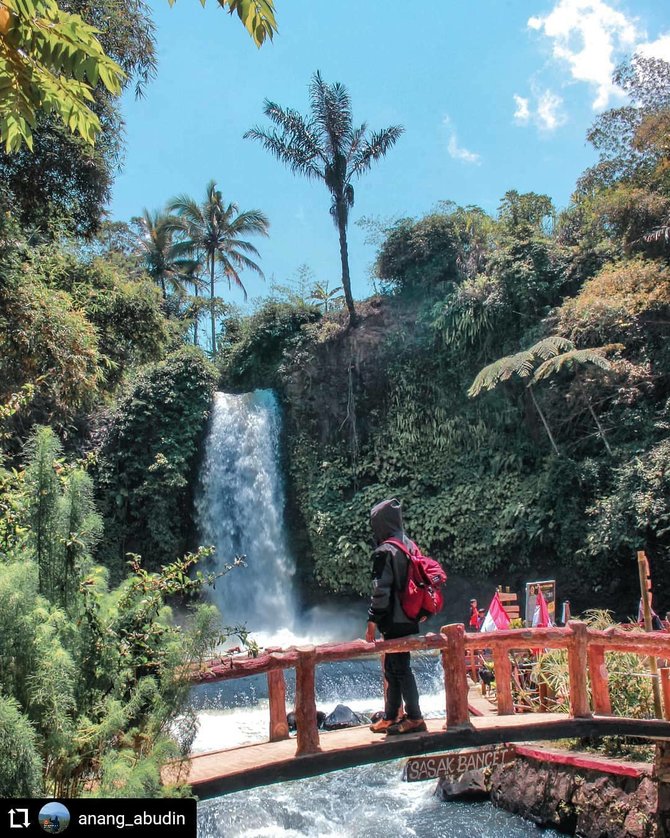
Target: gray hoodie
<point x="389" y="572"/>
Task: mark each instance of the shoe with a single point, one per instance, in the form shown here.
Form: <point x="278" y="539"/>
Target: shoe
<point x="382" y="725"/>
<point x="407" y="726"/>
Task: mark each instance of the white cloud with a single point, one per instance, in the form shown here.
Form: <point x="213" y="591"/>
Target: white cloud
<point x="660" y="48"/>
<point x="456" y="151"/>
<point x="522" y="112"/>
<point x="590" y="36"/>
<point x="546" y="111"/>
<point x="549" y="113"/>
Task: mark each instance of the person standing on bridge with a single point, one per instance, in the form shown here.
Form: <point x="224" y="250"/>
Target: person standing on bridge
<point x="389" y="576"/>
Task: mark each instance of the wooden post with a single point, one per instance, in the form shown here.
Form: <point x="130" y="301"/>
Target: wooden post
<point x="455" y="678"/>
<point x="602" y="705"/>
<point x="305" y="702"/>
<point x="474" y="674"/>
<point x="645" y="593"/>
<point x="503" y="672"/>
<point x="577" y="657"/>
<point x="664" y="672"/>
<point x="277" y="699"/>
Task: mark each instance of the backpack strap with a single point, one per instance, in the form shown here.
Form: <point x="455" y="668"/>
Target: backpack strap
<point x="408" y="551"/>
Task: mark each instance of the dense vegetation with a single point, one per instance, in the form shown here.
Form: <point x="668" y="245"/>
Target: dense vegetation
<point x="556" y="461"/>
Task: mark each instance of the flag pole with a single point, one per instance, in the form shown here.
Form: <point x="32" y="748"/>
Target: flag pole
<point x="645" y="591"/>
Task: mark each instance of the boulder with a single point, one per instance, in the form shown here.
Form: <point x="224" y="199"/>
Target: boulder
<point x="343" y="716"/>
<point x="290" y="718"/>
<point x="470" y="785"/>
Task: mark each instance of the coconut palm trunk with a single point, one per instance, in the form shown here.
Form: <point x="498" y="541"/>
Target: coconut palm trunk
<point x="344" y="258"/>
<point x="196" y="318"/>
<point x="211" y="303"/>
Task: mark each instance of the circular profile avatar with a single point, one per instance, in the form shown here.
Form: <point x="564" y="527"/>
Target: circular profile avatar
<point x="54" y="818"/>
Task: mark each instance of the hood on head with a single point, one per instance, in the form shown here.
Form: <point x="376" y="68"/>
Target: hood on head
<point x="386" y="519"/>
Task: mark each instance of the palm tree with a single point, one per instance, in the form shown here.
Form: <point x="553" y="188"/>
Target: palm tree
<point x="162" y="258"/>
<point x="326" y="146"/>
<point x="326" y="298"/>
<point x="212" y="232"/>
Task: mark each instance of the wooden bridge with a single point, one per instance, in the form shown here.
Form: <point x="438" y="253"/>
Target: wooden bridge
<point x="589" y="711"/>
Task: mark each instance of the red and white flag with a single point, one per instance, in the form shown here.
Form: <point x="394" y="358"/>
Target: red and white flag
<point x="541" y="618"/>
<point x="497" y="616"/>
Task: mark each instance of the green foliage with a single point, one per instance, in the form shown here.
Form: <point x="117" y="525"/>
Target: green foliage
<point x="46" y="342"/>
<point x="64" y="183"/>
<point x="632" y="140"/>
<point x="635" y="513"/>
<point x="522" y="364"/>
<point x="617" y="303"/>
<point x="72" y="327"/>
<point x="61" y="523"/>
<point x="92" y="696"/>
<point x="471" y="318"/>
<point x="253" y="348"/>
<point x="422" y="253"/>
<point x="629" y="686"/>
<point x="440" y="248"/>
<point x="257" y="16"/>
<point x="326" y="298"/>
<point x="148" y="457"/>
<point x="20" y="762"/>
<point x="49" y="61"/>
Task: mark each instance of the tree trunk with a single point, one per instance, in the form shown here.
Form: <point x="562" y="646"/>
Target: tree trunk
<point x="211" y="298"/>
<point x="601" y="430"/>
<point x="195" y="319"/>
<point x="544" y="422"/>
<point x="344" y="256"/>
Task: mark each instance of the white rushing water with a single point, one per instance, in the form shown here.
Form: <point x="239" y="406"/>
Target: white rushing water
<point x="240" y="510"/>
<point x="240" y="507"/>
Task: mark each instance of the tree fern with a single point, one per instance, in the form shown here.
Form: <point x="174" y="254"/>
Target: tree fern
<point x="555" y="352"/>
<point x="521" y="364"/>
<point x="575" y="358"/>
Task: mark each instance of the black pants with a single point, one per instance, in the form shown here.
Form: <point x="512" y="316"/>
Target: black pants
<point x="401" y="687"/>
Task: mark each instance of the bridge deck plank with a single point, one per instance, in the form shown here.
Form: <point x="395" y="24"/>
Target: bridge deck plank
<point x="220" y="772"/>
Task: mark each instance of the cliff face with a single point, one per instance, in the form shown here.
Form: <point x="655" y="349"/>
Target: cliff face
<point x="381" y="410"/>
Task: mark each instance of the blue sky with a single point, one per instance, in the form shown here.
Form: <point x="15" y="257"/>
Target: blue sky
<point x="493" y="95"/>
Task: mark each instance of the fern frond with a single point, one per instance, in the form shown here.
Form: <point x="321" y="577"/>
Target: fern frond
<point x="503" y="369"/>
<point x="551" y="346"/>
<point x="569" y="359"/>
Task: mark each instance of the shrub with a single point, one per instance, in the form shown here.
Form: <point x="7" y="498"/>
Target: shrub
<point x="20" y="762"/>
<point x="148" y="460"/>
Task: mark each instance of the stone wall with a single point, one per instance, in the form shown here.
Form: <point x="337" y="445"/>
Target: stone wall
<point x="577" y="799"/>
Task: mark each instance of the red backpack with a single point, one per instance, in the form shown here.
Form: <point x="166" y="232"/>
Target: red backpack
<point x="422" y="595"/>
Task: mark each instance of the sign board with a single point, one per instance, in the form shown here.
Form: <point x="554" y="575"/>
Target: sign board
<point x="548" y="592"/>
<point x="456" y="763"/>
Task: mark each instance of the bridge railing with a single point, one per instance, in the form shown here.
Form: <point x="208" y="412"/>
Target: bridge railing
<point x="585" y="648"/>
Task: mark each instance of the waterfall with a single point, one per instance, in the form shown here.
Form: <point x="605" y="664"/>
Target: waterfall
<point x="239" y="510"/>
